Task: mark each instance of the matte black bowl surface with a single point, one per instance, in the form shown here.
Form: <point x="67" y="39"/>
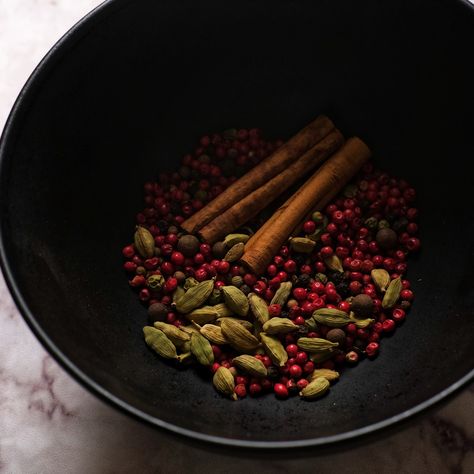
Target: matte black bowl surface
<point x="128" y="91"/>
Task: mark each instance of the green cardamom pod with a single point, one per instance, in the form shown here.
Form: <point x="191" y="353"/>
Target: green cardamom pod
<point x="213" y="334"/>
<point x="329" y="375"/>
<point x="234" y="253"/>
<point x="189" y="330"/>
<point x="282" y="294"/>
<point x="158" y="341"/>
<point x="215" y="298"/>
<point x="246" y="324"/>
<point x="201" y="349"/>
<point x="175" y="335"/>
<point x="222" y="310"/>
<point x="239" y="338"/>
<point x="144" y="242"/>
<point x="311" y="324"/>
<point x="190" y="282"/>
<point x="203" y="315"/>
<point x="279" y="326"/>
<point x="235" y="300"/>
<point x="302" y="244"/>
<point x="392" y="294"/>
<point x="321" y="277"/>
<point x="250" y="365"/>
<point x="223" y="381"/>
<point x="332" y="317"/>
<point x="318" y="387"/>
<point x="315" y="344"/>
<point x="177" y="294"/>
<point x="259" y="308"/>
<point x="319" y="357"/>
<point x="274" y="349"/>
<point x="381" y="278"/>
<point x="316" y="235"/>
<point x="334" y="263"/>
<point x="195" y="297"/>
<point x="234" y="239"/>
<point x="361" y="323"/>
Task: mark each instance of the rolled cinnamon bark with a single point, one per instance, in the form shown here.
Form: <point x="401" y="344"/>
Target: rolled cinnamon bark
<point x="257" y="176"/>
<point x="332" y="175"/>
<point x="253" y="203"/>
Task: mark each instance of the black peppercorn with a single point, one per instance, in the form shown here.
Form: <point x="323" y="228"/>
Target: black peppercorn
<point x="272" y="373"/>
<point x="163" y="226"/>
<point x="245" y="289"/>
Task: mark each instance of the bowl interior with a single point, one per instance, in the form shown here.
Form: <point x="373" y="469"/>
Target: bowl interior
<point x="127" y="94"/>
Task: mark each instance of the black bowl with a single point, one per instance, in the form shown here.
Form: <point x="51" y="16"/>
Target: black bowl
<point x="128" y="91"/>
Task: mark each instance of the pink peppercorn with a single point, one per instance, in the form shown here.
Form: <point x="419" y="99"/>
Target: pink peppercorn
<point x="295" y="371"/>
<point x="372" y="349"/>
<point x="280" y="390"/>
<point x="240" y="390"/>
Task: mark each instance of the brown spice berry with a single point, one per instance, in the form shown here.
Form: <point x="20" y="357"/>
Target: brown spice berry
<point x="362" y="305"/>
<point x="336" y="335"/>
<point x="157" y="312"/>
<point x="219" y="250"/>
<point x="188" y="245"/>
<point x="386" y="238"/>
<point x="180" y="276"/>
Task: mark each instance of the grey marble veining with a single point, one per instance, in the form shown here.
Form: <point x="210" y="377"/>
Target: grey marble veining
<point x="50" y="424"/>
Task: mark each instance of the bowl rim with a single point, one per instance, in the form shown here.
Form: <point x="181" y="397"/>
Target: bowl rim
<point x="7" y="140"/>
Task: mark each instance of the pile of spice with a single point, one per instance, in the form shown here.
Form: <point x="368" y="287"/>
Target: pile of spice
<point x="277" y="302"/>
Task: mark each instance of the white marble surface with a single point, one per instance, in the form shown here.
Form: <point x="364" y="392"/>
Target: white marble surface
<point x="50" y="424"/>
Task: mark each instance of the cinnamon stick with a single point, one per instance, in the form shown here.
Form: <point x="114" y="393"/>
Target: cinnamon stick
<point x="257" y="176"/>
<point x="253" y="203"/>
<point x="333" y="174"/>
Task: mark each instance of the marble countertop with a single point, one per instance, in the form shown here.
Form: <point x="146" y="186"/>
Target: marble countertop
<point x="50" y="424"/>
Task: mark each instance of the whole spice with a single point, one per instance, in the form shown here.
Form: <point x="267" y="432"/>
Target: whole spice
<point x="223" y="381"/>
<point x="259" y="308"/>
<point x="175" y="335"/>
<point x="331" y="317"/>
<point x="157" y="312"/>
<point x="250" y="365"/>
<point x="381" y="278"/>
<point x="213" y="334"/>
<point x="246" y="324"/>
<point x="144" y="242"/>
<point x="188" y="245"/>
<point x="235" y="300"/>
<point x="329" y="375"/>
<point x="362" y="305"/>
<point x="201" y="349"/>
<point x="274" y="349"/>
<point x="392" y="294"/>
<point x="195" y="296"/>
<point x="317" y="388"/>
<point x="238" y="336"/>
<point x="315" y="344"/>
<point x="334" y="263"/>
<point x="203" y="315"/>
<point x="158" y="341"/>
<point x="279" y="326"/>
<point x="235" y="252"/>
<point x="302" y="244"/>
<point x="233" y="239"/>
<point x="336" y="335"/>
<point x="282" y="294"/>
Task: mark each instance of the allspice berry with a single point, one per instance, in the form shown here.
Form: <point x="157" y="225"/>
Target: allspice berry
<point x="336" y="335"/>
<point x="219" y="250"/>
<point x="362" y="305"/>
<point x="157" y="312"/>
<point x="386" y="238"/>
<point x="188" y="245"/>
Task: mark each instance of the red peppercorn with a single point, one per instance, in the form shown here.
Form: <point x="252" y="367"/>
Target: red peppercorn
<point x="272" y="270"/>
<point x="200" y="274"/>
<point x="309" y="227"/>
<point x="398" y="315"/>
<point x="326" y="252"/>
<point x="301" y="358"/>
<point x="290" y="266"/>
<point x="130" y="266"/>
<point x="223" y="268"/>
<point x="301" y="384"/>
<point x="128" y="251"/>
<point x="274" y="310"/>
<point x="170" y="285"/>
<point x="299" y="294"/>
<point x="372" y="349"/>
<point x="177" y="258"/>
<point x="299" y="320"/>
<point x="280" y="390"/>
<point x="308" y="367"/>
<point x="282" y="276"/>
<point x="413" y="244"/>
<point x="137" y="281"/>
<point x="240" y="390"/>
<point x="278" y="260"/>
<point x="292" y="350"/>
<point x="407" y="295"/>
<point x="344" y="306"/>
<point x="295" y="371"/>
<point x="255" y="389"/>
<point x="388" y="325"/>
